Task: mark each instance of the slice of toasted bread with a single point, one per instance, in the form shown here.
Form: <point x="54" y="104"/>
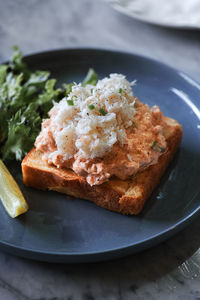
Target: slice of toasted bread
<point x="123" y="196"/>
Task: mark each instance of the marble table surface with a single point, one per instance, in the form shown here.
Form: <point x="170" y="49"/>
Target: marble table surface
<point x="170" y="270"/>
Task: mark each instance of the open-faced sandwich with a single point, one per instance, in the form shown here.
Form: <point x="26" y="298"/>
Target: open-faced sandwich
<point x="102" y="144"/>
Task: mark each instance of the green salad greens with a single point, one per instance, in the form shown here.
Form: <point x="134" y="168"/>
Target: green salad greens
<point x="25" y="98"/>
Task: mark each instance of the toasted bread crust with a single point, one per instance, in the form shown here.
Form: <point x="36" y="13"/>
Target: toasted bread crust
<point x="123" y="196"/>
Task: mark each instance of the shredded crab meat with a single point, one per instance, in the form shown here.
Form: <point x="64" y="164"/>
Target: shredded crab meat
<point x="92" y="132"/>
<point x="103" y="130"/>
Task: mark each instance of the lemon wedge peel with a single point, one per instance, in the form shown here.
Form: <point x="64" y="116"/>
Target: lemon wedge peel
<point x="10" y="193"/>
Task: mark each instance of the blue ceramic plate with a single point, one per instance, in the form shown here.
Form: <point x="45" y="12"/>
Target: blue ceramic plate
<point x="61" y="229"/>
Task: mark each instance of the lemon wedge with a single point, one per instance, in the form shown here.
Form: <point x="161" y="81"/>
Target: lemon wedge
<point x="10" y="193"/>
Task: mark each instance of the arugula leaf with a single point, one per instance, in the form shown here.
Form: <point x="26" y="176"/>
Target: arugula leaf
<point x="3" y="124"/>
<point x="37" y="78"/>
<point x="17" y="65"/>
<point x="46" y="98"/>
<point x="20" y="88"/>
<point x="21" y="135"/>
<point x="91" y="78"/>
<point x="68" y="87"/>
<point x="3" y="70"/>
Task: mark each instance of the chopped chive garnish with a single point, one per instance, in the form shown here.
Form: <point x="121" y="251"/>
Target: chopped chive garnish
<point x="91" y="91"/>
<point x="102" y="111"/>
<point x="156" y="147"/>
<point x="120" y="90"/>
<point x="154" y="144"/>
<point x="91" y="106"/>
<point x="70" y="102"/>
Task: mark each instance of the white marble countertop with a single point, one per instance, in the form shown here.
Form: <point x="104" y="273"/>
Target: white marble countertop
<point x="168" y="271"/>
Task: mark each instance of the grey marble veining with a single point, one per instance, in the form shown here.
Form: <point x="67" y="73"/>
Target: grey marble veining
<point x="168" y="271"/>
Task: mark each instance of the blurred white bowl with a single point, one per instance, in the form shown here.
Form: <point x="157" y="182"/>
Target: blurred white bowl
<point x="171" y="13"/>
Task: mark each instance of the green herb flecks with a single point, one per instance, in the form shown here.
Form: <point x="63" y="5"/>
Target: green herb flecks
<point x="120" y="90"/>
<point x="155" y="147"/>
<point x="91" y="106"/>
<point x="154" y="144"/>
<point x="102" y="111"/>
<point x="70" y="102"/>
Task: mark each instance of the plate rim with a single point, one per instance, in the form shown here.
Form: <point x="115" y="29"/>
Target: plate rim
<point x="175" y="228"/>
<point x="161" y="236"/>
<point x="29" y="55"/>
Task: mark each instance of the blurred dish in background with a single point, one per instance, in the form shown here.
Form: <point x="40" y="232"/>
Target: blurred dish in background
<point x="171" y="13"/>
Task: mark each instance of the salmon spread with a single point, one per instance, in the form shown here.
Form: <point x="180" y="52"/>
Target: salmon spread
<point x="102" y="131"/>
